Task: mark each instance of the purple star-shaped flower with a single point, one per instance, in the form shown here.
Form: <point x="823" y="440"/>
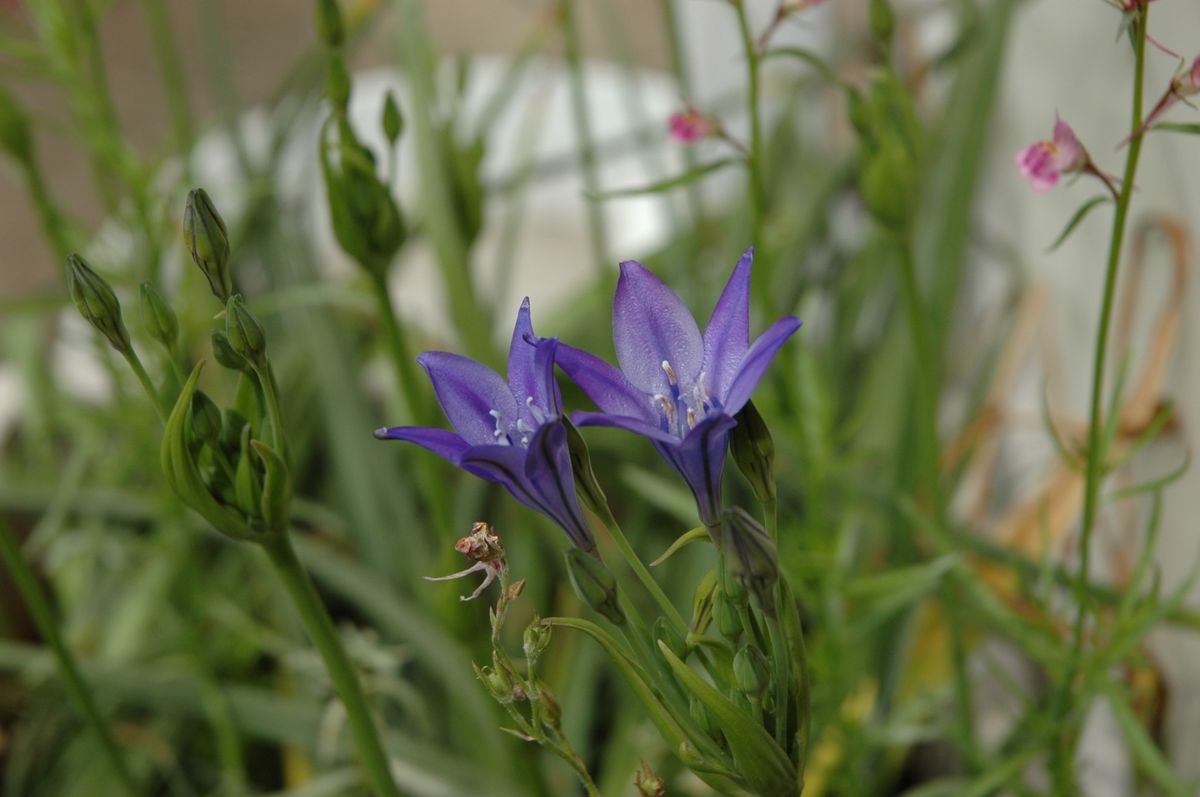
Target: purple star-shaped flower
<point x="510" y="433"/>
<point x="677" y="387"/>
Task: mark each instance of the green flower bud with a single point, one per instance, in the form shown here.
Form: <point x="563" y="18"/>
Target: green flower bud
<point x="158" y="317"/>
<point x="14" y="129"/>
<point x="586" y="485"/>
<point x="664" y="632"/>
<point x="207" y="240"/>
<point x="548" y="707"/>
<point x="206" y="419"/>
<point x="702" y="602"/>
<point x="97" y="303"/>
<point x="882" y="21"/>
<point x="246" y="336"/>
<point x="330" y="27"/>
<point x="726" y="617"/>
<point x="393" y="119"/>
<point x="753" y="451"/>
<point x="536" y="639"/>
<point x="752" y="672"/>
<point x="594" y="584"/>
<point x="754" y="560"/>
<point x="337" y="82"/>
<point x="861" y="115"/>
<point x="888" y="184"/>
<point x="224" y="353"/>
<point x="497" y="682"/>
<point x="647" y="783"/>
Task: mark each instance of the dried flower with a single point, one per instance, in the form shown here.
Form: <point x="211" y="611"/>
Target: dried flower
<point x="482" y="546"/>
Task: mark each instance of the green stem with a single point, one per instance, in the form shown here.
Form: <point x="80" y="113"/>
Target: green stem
<point x="43" y="617"/>
<point x="320" y="629"/>
<point x="270" y="394"/>
<point x="1094" y="471"/>
<point x="166" y="49"/>
<point x="402" y="360"/>
<point x="754" y="156"/>
<point x="683" y="78"/>
<point x="643" y="574"/>
<point x="139" y="371"/>
<point x="583" y="130"/>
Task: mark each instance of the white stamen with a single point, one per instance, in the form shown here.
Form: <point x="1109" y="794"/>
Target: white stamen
<point x="524" y="430"/>
<point x="670" y="372"/>
<point x="535" y="411"/>
<point x="691" y="418"/>
<point x="499" y="434"/>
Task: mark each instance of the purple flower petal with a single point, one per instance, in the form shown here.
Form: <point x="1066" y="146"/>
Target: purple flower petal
<point x="755" y="363"/>
<point x="469" y="392"/>
<point x="651" y="325"/>
<point x="525" y="379"/>
<point x="445" y="444"/>
<point x="700" y="460"/>
<point x="635" y="425"/>
<point x="727" y="335"/>
<point x="604" y="384"/>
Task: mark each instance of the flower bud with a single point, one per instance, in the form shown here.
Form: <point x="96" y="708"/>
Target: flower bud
<point x="752" y="672"/>
<point x="882" y="21"/>
<point x="246" y="336"/>
<point x="337" y="82"/>
<point x="888" y="183"/>
<point x="754" y="560"/>
<point x="647" y="783"/>
<point x="247" y="486"/>
<point x="207" y="240"/>
<point x="97" y="303"/>
<point x="594" y="584"/>
<point x="158" y="317"/>
<point x="392" y="120"/>
<point x="497" y="682"/>
<point x="664" y="632"/>
<point x="550" y="710"/>
<point x="276" y="497"/>
<point x="726" y="617"/>
<point x="14" y="130"/>
<point x="701" y="717"/>
<point x="330" y="27"/>
<point x="536" y="639"/>
<point x="206" y="419"/>
<point x="232" y="425"/>
<point x="753" y="450"/>
<point x="586" y="485"/>
<point x="224" y="353"/>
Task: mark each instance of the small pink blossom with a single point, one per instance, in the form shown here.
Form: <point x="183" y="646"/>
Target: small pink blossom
<point x="691" y="125"/>
<point x="1044" y="162"/>
<point x="1185" y="84"/>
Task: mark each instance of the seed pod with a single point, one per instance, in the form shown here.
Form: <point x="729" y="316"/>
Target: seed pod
<point x="207" y="240"/>
<point x="536" y="639"/>
<point x="594" y="584"/>
<point x="159" y="319"/>
<point x="97" y="303"/>
<point x="392" y="119"/>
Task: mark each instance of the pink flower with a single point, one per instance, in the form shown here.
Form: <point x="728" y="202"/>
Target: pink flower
<point x="1045" y="161"/>
<point x="691" y="125"/>
<point x="1184" y="84"/>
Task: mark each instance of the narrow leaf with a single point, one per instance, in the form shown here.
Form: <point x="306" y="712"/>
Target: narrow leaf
<point x="698" y="533"/>
<point x="1079" y="216"/>
<point x="665" y="185"/>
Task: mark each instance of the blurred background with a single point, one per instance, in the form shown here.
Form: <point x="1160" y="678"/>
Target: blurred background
<point x="209" y="679"/>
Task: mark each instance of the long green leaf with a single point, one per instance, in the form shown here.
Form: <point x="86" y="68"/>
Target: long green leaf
<point x="665" y="185"/>
<point x="1077" y="217"/>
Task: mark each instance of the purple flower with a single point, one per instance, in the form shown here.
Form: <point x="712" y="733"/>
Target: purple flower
<point x="510" y="433"/>
<point x="677" y="387"/>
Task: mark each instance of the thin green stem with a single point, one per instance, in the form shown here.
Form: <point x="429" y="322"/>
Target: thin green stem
<point x="754" y="155"/>
<point x="583" y="131"/>
<point x="683" y="78"/>
<point x="320" y="629"/>
<point x="397" y="343"/>
<point x="139" y="371"/>
<point x="39" y="607"/>
<point x="166" y="50"/>
<point x="270" y="394"/>
<point x="643" y="574"/>
<point x="1096" y="454"/>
